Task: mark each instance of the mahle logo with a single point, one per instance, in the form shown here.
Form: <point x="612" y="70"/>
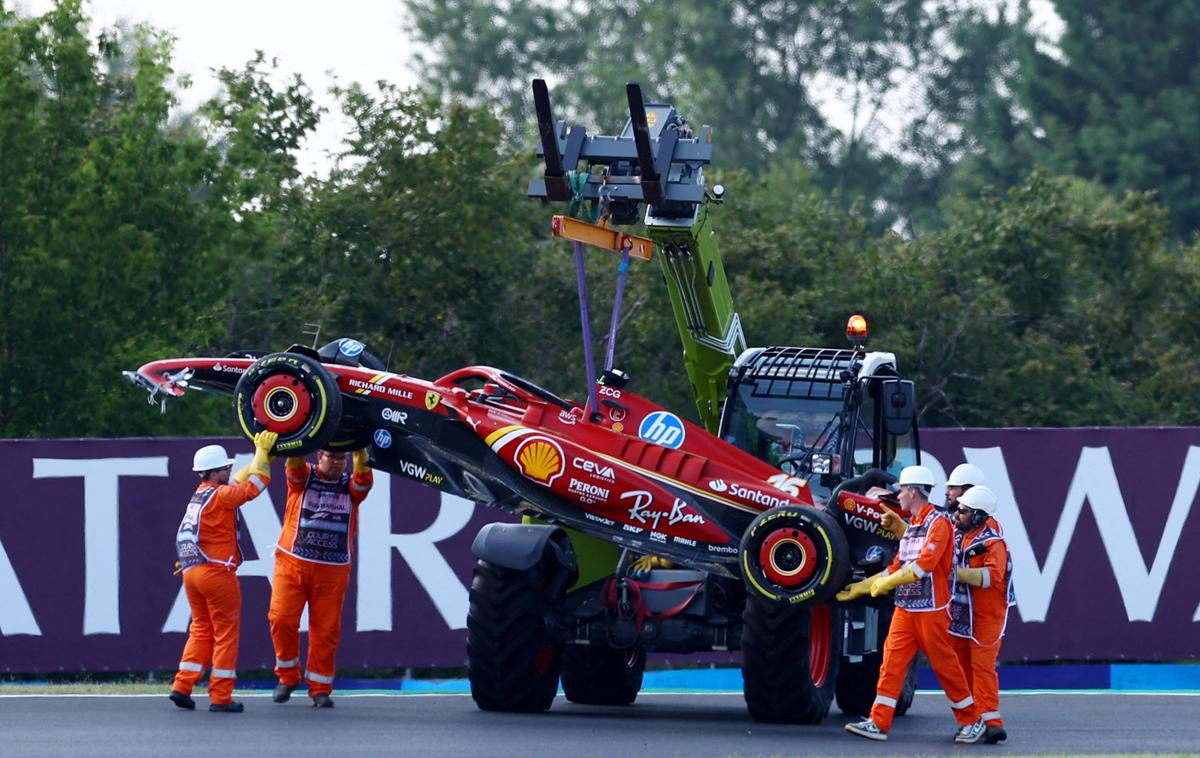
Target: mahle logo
<point x="540" y="459"/>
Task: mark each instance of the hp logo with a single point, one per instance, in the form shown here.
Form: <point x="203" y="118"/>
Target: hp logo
<point x="662" y="428"/>
<point x="351" y="348"/>
<point x="383" y="438"/>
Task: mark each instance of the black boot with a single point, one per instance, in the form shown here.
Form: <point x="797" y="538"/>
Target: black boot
<point x="232" y="706"/>
<point x="183" y="701"/>
<point x="322" y="701"/>
<point x="283" y="692"/>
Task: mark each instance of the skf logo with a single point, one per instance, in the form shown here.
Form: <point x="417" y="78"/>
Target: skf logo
<point x="432" y="399"/>
<point x="662" y="428"/>
<point x="540" y="459"/>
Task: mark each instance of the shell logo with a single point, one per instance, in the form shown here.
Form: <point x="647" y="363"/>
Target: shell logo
<point x="540" y="459"/>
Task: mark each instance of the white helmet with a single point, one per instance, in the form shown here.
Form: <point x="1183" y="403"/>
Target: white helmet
<point x="916" y="475"/>
<point x="979" y="498"/>
<point x="210" y="457"/>
<point x="965" y="475"/>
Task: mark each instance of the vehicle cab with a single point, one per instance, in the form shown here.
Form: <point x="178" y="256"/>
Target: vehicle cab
<point x="824" y="415"/>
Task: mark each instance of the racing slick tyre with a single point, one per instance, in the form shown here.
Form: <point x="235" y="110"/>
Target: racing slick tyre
<point x="790" y="660"/>
<point x="512" y="661"/>
<point x="856" y="682"/>
<point x="292" y="395"/>
<point x="601" y="675"/>
<point x="795" y="556"/>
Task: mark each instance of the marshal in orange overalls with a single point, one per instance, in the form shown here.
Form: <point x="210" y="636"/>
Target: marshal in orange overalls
<point x="921" y="620"/>
<point x="978" y="615"/>
<point x="312" y="565"/>
<point x="207" y="548"/>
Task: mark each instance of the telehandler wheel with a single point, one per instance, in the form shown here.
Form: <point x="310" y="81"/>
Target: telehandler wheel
<point x="790" y="659"/>
<point x="292" y="395"/>
<point x="601" y="675"/>
<point x="513" y="662"/>
<point x="795" y="556"/>
<point x="857" y="681"/>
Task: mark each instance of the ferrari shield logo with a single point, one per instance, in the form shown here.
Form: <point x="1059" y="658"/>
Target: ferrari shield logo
<point x="432" y="399"/>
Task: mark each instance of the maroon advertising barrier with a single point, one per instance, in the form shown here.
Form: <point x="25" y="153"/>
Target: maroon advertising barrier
<point x="1097" y="521"/>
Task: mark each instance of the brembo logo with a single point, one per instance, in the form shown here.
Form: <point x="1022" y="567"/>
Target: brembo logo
<point x="754" y="496"/>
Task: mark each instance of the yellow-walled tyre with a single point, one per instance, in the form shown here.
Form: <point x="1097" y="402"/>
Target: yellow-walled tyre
<point x="292" y="395"/>
<point x="795" y="556"/>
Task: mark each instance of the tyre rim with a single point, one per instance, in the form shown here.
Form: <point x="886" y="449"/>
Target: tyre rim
<point x="281" y="404"/>
<point x="819" y="645"/>
<point x="788" y="557"/>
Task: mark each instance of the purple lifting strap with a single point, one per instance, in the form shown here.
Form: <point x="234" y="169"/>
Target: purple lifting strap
<point x="593" y="406"/>
<point x="616" y="313"/>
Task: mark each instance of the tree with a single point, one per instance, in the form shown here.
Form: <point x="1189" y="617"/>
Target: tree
<point x="765" y="72"/>
<point x="1116" y="100"/>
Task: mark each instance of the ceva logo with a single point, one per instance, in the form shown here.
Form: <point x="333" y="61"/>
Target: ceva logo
<point x="662" y="428"/>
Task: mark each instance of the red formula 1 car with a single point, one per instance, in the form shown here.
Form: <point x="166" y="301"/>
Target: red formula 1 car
<point x="634" y="477"/>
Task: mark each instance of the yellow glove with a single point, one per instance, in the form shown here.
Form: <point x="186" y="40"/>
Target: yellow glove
<point x="645" y="564"/>
<point x="894" y="523"/>
<point x="261" y="465"/>
<point x="296" y="461"/>
<point x="857" y="589"/>
<point x="973" y="577"/>
<point x="360" y="461"/>
<point x="886" y="584"/>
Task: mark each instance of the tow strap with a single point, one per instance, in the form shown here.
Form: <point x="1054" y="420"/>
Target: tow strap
<point x="576" y="181"/>
<point x="637" y="608"/>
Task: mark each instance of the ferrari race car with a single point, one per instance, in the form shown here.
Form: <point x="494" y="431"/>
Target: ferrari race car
<point x="755" y="561"/>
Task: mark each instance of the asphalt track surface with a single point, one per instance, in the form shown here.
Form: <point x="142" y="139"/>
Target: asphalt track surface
<point x="657" y="726"/>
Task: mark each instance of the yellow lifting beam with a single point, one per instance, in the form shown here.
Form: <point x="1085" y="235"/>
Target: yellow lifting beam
<point x="601" y="236"/>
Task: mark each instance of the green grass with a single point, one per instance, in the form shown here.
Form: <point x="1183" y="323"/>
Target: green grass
<point x="91" y="688"/>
